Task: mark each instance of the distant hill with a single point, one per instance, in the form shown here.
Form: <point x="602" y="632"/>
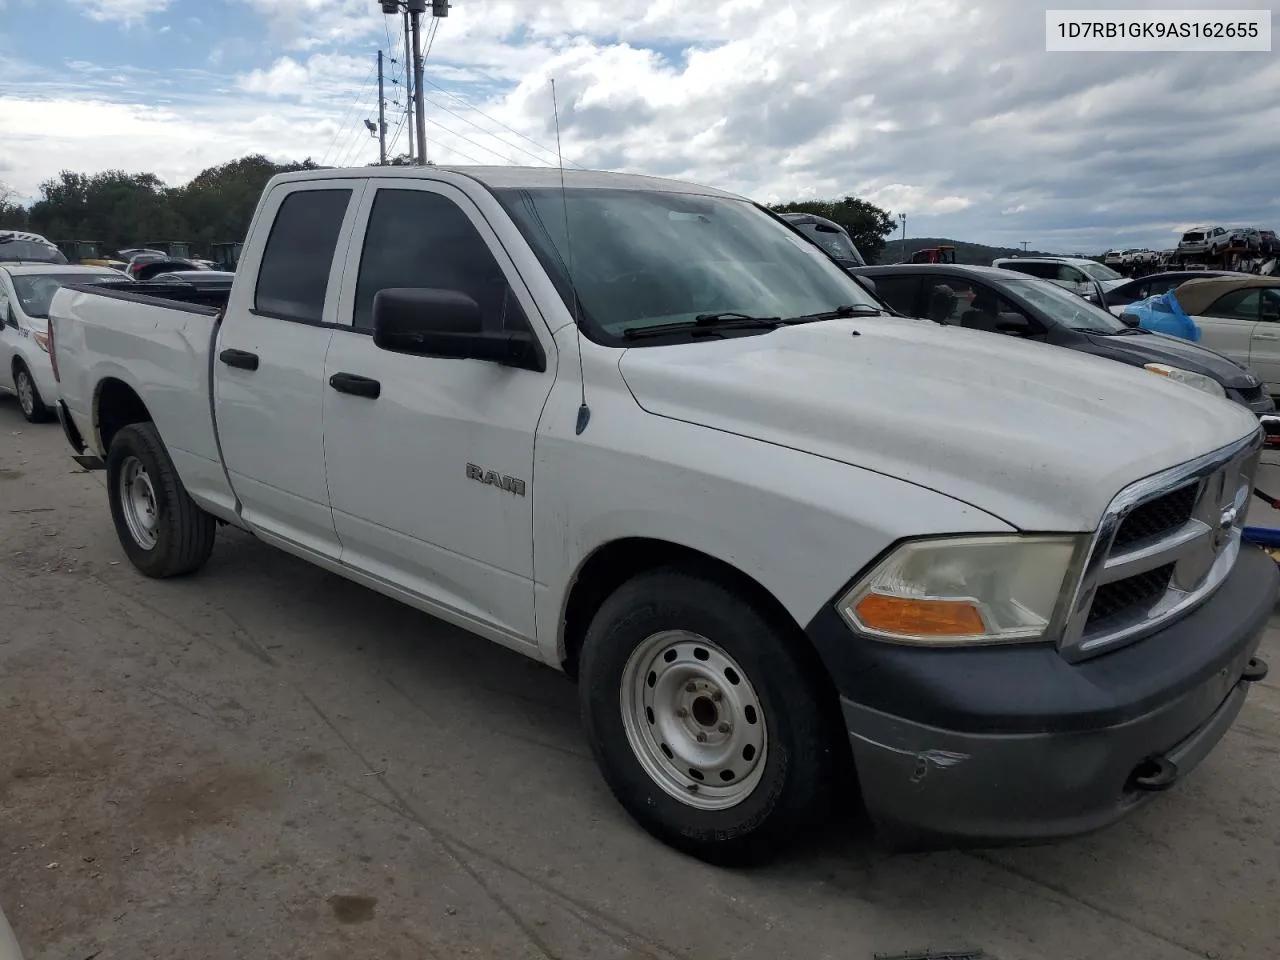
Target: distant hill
<point x="977" y="254"/>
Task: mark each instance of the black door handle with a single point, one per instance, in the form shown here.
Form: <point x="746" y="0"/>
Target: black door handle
<point x="356" y="385"/>
<point x="239" y="358"/>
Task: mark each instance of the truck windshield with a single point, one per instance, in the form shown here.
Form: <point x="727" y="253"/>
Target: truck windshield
<point x="1065" y="307"/>
<point x="35" y="290"/>
<point x="647" y="257"/>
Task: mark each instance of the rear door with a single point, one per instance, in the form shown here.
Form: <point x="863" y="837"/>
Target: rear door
<point x="403" y="464"/>
<point x="1264" y="348"/>
<point x="1227" y="326"/>
<point x="269" y="365"/>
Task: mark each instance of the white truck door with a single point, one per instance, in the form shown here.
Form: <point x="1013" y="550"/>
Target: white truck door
<point x="269" y="362"/>
<point x="431" y="481"/>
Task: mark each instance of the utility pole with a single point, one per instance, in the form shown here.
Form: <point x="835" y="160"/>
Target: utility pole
<point x="903" y="218"/>
<point x="409" y="88"/>
<point x="416" y="9"/>
<point x="382" y="117"/>
<point x="1024" y="246"/>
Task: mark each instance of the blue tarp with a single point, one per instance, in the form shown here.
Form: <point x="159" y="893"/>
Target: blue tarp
<point x="1163" y="314"/>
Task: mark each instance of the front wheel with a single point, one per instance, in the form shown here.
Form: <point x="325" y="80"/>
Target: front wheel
<point x="29" y="399"/>
<point x="706" y="723"/>
<point x="163" y="532"/>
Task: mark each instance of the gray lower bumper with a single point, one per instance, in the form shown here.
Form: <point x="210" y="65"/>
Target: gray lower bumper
<point x="931" y="783"/>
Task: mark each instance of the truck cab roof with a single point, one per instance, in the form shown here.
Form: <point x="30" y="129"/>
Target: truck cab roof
<point x="500" y="178"/>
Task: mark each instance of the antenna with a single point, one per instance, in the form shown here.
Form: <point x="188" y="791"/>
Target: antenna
<point x="584" y="412"/>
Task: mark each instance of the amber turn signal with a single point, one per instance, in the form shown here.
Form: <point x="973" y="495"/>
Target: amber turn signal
<point x="920" y="617"/>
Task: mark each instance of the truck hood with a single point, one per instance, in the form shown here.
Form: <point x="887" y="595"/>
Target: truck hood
<point x="1038" y="436"/>
<point x="1140" y="346"/>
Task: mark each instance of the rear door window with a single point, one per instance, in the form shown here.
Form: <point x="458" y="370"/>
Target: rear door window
<point x="1237" y="305"/>
<point x="1046" y="271"/>
<point x="294" y="274"/>
<point x="899" y="292"/>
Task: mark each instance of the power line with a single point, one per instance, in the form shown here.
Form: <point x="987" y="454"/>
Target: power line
<point x="471" y="106"/>
<point x="347" y="150"/>
<point x="464" y="156"/>
<point x="347" y="118"/>
<point x="490" y="133"/>
<point x="469" y="140"/>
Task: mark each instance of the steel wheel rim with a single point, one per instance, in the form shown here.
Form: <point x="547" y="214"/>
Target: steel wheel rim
<point x="26" y="393"/>
<point x="693" y="720"/>
<point x="138" y="503"/>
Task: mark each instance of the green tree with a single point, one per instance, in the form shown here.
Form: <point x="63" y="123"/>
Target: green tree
<point x="868" y="225"/>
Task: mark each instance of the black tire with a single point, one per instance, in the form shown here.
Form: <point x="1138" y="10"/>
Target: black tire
<point x="38" y="411"/>
<point x="799" y="763"/>
<point x="183" y="533"/>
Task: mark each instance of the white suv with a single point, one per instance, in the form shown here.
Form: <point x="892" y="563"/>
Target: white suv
<point x="1077" y="274"/>
<point x="1201" y="241"/>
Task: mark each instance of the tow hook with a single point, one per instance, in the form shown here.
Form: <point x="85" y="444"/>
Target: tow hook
<point x="1254" y="670"/>
<point x="1154" y="774"/>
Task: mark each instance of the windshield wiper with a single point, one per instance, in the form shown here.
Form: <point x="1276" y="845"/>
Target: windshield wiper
<point x="844" y="310"/>
<point x="705" y="321"/>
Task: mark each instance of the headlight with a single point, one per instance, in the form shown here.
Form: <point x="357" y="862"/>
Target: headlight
<point x="966" y="590"/>
<point x="1197" y="380"/>
<point x="42" y="340"/>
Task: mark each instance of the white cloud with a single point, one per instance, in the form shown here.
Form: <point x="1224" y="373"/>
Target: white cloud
<point x="124" y="11"/>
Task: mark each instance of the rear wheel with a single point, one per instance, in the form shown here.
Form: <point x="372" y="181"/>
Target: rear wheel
<point x="162" y="530"/>
<point x="29" y="400"/>
<point x="706" y="724"/>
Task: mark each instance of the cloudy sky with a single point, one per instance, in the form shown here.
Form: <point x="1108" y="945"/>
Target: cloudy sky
<point x="948" y="110"/>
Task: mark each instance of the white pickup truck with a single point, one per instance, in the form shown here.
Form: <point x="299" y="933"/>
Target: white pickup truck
<point x="647" y="433"/>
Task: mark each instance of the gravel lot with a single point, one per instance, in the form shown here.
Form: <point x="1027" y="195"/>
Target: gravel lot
<point x="266" y="761"/>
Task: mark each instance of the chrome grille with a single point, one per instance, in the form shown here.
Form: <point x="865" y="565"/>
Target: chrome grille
<point x="1164" y="545"/>
<point x="1157" y="517"/>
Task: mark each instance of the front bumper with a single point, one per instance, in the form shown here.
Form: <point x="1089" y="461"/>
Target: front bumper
<point x="995" y="745"/>
<point x="1263" y="405"/>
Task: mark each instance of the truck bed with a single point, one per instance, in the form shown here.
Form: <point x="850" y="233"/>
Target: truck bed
<point x="177" y="296"/>
<point x="156" y="341"/>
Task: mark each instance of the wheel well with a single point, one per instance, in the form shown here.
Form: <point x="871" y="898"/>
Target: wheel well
<point x="117" y="406"/>
<point x="615" y="563"/>
<point x="18" y="363"/>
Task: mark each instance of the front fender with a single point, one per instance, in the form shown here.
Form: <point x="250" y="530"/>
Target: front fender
<point x="800" y="525"/>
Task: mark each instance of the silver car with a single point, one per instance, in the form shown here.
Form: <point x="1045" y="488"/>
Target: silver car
<point x="1248" y="237"/>
<point x="1199" y="241"/>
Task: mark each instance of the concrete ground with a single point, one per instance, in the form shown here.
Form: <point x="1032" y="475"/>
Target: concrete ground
<point x="265" y="761"/>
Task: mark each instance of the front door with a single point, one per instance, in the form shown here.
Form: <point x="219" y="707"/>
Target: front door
<point x="431" y="480"/>
<point x="269" y="362"/>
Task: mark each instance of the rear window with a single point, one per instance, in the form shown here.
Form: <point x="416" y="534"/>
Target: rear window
<point x="295" y="266"/>
<point x="20" y="249"/>
<point x="1194" y="237"/>
<point x="1046" y="271"/>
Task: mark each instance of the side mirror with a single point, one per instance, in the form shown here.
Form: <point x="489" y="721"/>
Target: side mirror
<point x="427" y="322"/>
<point x="1013" y="323"/>
<point x="868" y="284"/>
